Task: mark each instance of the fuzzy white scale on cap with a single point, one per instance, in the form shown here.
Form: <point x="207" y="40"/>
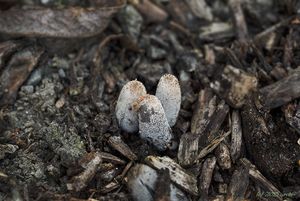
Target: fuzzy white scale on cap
<point x="153" y="123"/>
<point x="127" y="117"/>
<point x="169" y="93"/>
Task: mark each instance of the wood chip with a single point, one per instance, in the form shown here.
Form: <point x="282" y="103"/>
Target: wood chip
<point x="239" y="19"/>
<point x="178" y="175"/>
<point x="205" y="106"/>
<point x="262" y="142"/>
<point x="234" y="85"/>
<point x="150" y="11"/>
<point x="6" y="48"/>
<point x="69" y="22"/>
<point x="117" y="143"/>
<point x="188" y="149"/>
<point x="210" y="147"/>
<point x="80" y="181"/>
<point x="223" y="156"/>
<point x="258" y="178"/>
<point x="189" y="142"/>
<point x="206" y="175"/>
<point x="16" y="73"/>
<point x="236" y="135"/>
<point x="214" y="123"/>
<point x="238" y="184"/>
<point x="282" y="91"/>
<point x="107" y="157"/>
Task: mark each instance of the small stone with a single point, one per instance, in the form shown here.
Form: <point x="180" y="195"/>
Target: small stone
<point x="28" y="130"/>
<point x="61" y="73"/>
<point x="27" y="89"/>
<point x="60" y="103"/>
<point x="7" y="149"/>
<point x="20" y="108"/>
<point x="188" y="62"/>
<point x="131" y="21"/>
<point x="156" y="53"/>
<point x="35" y="77"/>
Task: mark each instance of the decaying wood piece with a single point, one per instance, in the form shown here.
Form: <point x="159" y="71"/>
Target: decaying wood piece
<point x="200" y="9"/>
<point x="206" y="176"/>
<point x="238" y="184"/>
<point x="117" y="143"/>
<point x="17" y="71"/>
<point x="7" y="48"/>
<point x="107" y="157"/>
<point x="178" y="175"/>
<point x="239" y="19"/>
<point x="265" y="66"/>
<point x="292" y="116"/>
<point x="258" y="178"/>
<point x="48" y="195"/>
<point x="188" y="149"/>
<point x="267" y="32"/>
<point x="210" y="132"/>
<point x="210" y="137"/>
<point x="149" y="10"/>
<point x="106" y="176"/>
<point x="236" y="135"/>
<point x="116" y="182"/>
<point x="233" y="57"/>
<point x="223" y="156"/>
<point x="206" y="105"/>
<point x="282" y="91"/>
<point x="70" y="22"/>
<point x="189" y="142"/>
<point x="234" y="85"/>
<point x="113" y="185"/>
<point x="212" y="145"/>
<point x="90" y="163"/>
<point x="263" y="143"/>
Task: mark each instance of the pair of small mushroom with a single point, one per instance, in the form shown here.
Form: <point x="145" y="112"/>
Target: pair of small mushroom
<point x="153" y="116"/>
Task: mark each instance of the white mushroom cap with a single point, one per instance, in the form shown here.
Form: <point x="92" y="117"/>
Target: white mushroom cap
<point x="141" y="183"/>
<point x="169" y="93"/>
<point x="153" y="124"/>
<point x="126" y="116"/>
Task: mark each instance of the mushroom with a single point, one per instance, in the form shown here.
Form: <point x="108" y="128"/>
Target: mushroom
<point x="169" y="93"/>
<point x="151" y="115"/>
<point x="126" y="116"/>
<point x="153" y="123"/>
<point x="142" y="180"/>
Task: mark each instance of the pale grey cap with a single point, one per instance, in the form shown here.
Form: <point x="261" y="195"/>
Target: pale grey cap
<point x="153" y="123"/>
<point x="169" y="93"/>
<point x="127" y="117"/>
<point x="141" y="181"/>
